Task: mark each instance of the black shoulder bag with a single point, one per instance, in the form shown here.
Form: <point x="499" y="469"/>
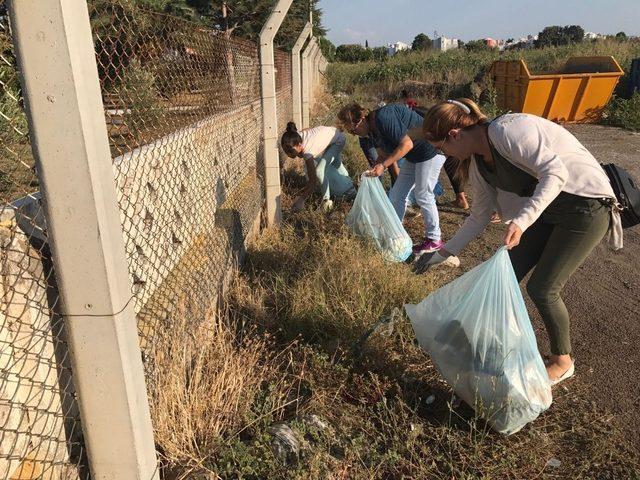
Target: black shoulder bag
<point x="626" y="192"/>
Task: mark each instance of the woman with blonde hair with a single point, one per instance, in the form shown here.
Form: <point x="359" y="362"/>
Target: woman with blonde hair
<point x="388" y="127"/>
<point x="566" y="206"/>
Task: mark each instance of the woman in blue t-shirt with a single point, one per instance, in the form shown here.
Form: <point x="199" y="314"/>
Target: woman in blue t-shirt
<point x="388" y="128"/>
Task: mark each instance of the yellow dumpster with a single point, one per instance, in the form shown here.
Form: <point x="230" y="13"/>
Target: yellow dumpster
<point x="578" y="93"/>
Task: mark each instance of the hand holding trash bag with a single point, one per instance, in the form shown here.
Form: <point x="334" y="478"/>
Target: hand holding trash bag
<point x="478" y="333"/>
<point x="512" y="236"/>
<point x="375" y="171"/>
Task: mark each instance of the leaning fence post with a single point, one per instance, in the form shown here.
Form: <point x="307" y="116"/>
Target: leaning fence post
<point x="312" y="74"/>
<point x="316" y="70"/>
<point x="269" y="113"/>
<point x="306" y="78"/>
<point x="56" y="57"/>
<point x="296" y="80"/>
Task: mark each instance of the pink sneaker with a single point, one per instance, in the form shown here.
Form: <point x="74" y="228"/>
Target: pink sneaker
<point x="427" y="246"/>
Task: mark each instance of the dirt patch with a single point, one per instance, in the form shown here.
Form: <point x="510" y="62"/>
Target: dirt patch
<point x="603" y="296"/>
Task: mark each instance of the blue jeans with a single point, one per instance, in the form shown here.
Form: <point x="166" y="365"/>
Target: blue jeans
<point x="333" y="178"/>
<point x="424" y="177"/>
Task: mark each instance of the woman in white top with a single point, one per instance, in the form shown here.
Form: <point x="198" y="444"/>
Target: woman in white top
<point x="320" y="147"/>
<point x="564" y="211"/>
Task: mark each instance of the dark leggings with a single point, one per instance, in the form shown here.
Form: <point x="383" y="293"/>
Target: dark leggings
<point x="450" y="166"/>
<point x="556" y="245"/>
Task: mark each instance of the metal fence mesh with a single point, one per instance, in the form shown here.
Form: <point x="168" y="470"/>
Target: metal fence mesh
<point x="184" y="117"/>
<point x="40" y="434"/>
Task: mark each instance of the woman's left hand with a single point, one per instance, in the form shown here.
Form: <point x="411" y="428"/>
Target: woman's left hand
<point x="376" y="171"/>
<point x="512" y="237"/>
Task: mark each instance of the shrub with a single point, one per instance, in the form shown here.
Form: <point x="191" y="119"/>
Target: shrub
<point x="624" y="113"/>
<point x="140" y="99"/>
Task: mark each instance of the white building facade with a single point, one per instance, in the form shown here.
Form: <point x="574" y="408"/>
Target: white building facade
<point x="396" y="47"/>
<point x="443" y="43"/>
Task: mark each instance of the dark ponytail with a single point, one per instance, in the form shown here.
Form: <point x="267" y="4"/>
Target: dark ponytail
<point x="290" y="138"/>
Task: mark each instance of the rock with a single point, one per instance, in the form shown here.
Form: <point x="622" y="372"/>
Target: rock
<point x="430" y="399"/>
<point x="314" y="421"/>
<point x="553" y="463"/>
<point x="285" y="443"/>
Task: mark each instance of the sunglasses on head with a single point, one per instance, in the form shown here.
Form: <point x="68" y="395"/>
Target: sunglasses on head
<point x="352" y="129"/>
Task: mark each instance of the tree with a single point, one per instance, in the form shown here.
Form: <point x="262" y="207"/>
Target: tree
<point x="328" y="49"/>
<point x="550" y="36"/>
<point x="421" y="42"/>
<point x="574" y="33"/>
<point x="476" y="45"/>
<point x="353" y="53"/>
<point x="621" y="36"/>
<point x="556" y="35"/>
<point x="366" y="44"/>
<point x="245" y="18"/>
<point x="379" y="54"/>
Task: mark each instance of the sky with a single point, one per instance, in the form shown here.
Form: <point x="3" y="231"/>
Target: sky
<point x="385" y="21"/>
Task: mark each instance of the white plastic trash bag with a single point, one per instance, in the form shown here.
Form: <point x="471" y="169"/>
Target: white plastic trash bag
<point x="373" y="216"/>
<point x="478" y="333"/>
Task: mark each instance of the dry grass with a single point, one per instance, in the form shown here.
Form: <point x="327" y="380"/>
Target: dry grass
<point x="206" y="377"/>
<point x="314" y="281"/>
<point x="282" y="349"/>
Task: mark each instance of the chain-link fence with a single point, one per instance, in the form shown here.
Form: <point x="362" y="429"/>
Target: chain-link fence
<point x="184" y="117"/>
<point x="40" y="434"/>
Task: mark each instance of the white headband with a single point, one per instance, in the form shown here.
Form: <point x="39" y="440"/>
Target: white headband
<point x="466" y="109"/>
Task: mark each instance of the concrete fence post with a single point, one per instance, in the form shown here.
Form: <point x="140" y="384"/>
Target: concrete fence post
<point x="296" y="79"/>
<point x="306" y="79"/>
<point x="269" y="112"/>
<point x="56" y="57"/>
<point x="312" y="74"/>
<point x="316" y="70"/>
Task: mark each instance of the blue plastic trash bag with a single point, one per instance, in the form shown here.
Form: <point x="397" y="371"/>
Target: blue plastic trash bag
<point x="478" y="333"/>
<point x="373" y="216"/>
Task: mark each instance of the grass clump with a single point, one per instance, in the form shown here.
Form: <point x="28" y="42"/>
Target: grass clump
<point x="625" y="113"/>
<point x="209" y="381"/>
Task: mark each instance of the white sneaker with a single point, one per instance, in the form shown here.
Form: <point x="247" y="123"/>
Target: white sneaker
<point x="566" y="375"/>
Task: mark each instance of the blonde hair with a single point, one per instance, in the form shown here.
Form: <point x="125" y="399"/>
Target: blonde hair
<point x="351" y="114"/>
<point x="448" y="115"/>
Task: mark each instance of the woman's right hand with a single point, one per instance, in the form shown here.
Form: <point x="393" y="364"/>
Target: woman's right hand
<point x="375" y="171"/>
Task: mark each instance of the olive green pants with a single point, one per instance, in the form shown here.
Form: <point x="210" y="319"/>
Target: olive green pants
<point x="556" y="245"/>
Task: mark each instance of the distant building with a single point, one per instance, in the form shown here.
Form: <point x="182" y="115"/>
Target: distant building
<point x="443" y="43"/>
<point x="394" y="48"/>
<point x="523" y="42"/>
<point x="491" y="43"/>
<point x="593" y="36"/>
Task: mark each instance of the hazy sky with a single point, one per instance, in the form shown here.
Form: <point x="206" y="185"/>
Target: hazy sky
<point x="385" y="21"/>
